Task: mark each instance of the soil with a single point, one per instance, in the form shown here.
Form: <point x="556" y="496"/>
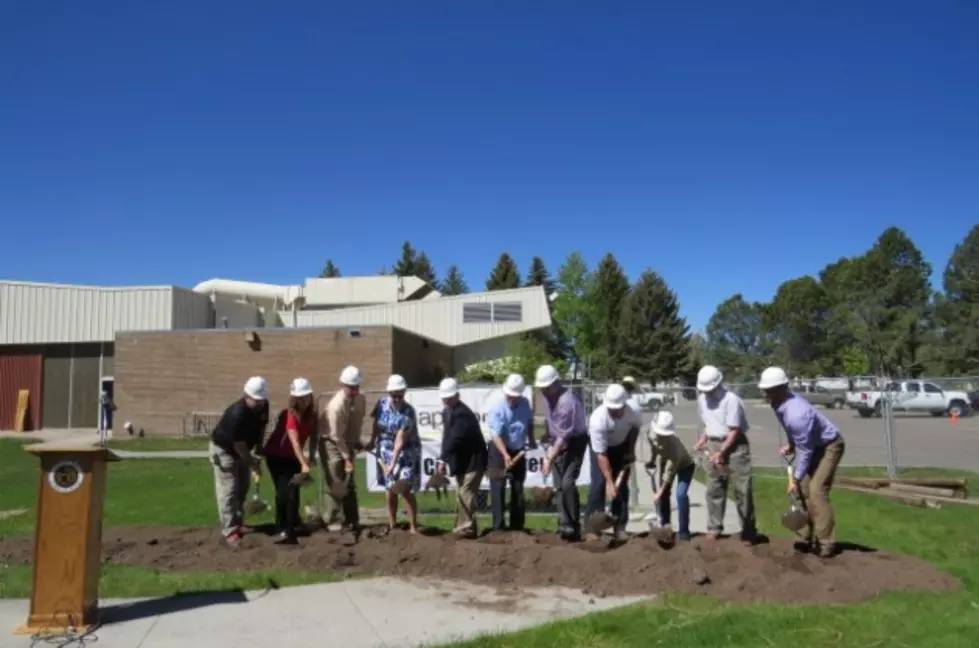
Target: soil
<point x="725" y="569"/>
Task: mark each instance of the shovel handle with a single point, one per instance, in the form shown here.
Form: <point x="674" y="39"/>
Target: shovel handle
<point x="515" y="458"/>
<point x="618" y="480"/>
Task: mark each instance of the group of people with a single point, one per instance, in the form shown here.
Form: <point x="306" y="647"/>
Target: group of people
<point x="301" y="436"/>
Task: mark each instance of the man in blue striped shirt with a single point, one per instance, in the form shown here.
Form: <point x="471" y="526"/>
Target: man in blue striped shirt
<point x="511" y="423"/>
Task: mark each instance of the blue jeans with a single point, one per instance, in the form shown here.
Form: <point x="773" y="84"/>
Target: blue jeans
<point x="683" y="479"/>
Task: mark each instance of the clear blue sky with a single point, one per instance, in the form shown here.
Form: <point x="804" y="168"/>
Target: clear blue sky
<point x="727" y="145"/>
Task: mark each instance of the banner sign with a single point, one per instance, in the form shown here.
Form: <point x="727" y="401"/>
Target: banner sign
<point x="428" y="407"/>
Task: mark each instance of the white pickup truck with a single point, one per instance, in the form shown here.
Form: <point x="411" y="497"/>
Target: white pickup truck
<point x="910" y="396"/>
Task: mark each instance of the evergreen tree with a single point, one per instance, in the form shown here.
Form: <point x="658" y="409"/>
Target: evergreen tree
<point x="505" y="274"/>
<point x="453" y="283"/>
<point x="405" y="266"/>
<point x="607" y="292"/>
<point x="554" y="340"/>
<point x="957" y="309"/>
<point x="424" y="270"/>
<point x="653" y="338"/>
<point x="572" y="312"/>
<point x="330" y="270"/>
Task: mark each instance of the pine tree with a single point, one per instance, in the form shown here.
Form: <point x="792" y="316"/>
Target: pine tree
<point x="330" y="270"/>
<point x="505" y="274"/>
<point x="405" y="266"/>
<point x="554" y="340"/>
<point x="424" y="270"/>
<point x="607" y="291"/>
<point x="453" y="283"/>
<point x="653" y="338"/>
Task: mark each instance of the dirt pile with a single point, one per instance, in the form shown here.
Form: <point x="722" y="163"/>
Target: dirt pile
<point x="724" y="569"/>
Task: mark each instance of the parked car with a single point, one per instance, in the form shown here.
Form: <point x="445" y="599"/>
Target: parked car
<point x="817" y="395"/>
<point x="911" y="396"/>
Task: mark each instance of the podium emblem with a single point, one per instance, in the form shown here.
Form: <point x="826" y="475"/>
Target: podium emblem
<point x="66" y="477"/>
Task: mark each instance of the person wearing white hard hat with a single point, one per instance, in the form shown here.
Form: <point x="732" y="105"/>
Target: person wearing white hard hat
<point x="630" y="386"/>
<point x="613" y="429"/>
<point x="511" y="423"/>
<point x="817" y="447"/>
<point x="567" y="437"/>
<point x="672" y="461"/>
<point x="725" y="437"/>
<point x="464" y="453"/>
<point x="340" y="431"/>
<point x="285" y="456"/>
<point x="398" y="446"/>
<point x="234" y="441"/>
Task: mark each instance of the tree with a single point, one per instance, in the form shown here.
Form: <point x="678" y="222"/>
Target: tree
<point x="505" y="274"/>
<point x="539" y="276"/>
<point x="607" y="291"/>
<point x="330" y="270"/>
<point x="554" y="339"/>
<point x="736" y="339"/>
<point x="652" y="335"/>
<point x="453" y="283"/>
<point x="424" y="270"/>
<point x="523" y="356"/>
<point x="405" y="266"/>
<point x="798" y="319"/>
<point x="957" y="309"/>
<point x="696" y="357"/>
<point x="572" y="312"/>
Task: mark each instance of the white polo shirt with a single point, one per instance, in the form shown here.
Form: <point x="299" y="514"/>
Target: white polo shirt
<point x="606" y="432"/>
<point x="719" y="415"/>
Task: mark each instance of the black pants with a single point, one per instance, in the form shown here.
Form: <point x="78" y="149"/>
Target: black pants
<point x="516" y="477"/>
<point x="566" y="469"/>
<point x="286" y="495"/>
<point x="617" y="456"/>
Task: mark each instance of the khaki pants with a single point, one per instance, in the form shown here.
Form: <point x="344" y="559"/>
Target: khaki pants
<point x="815" y="487"/>
<point x="737" y="473"/>
<point x="231" y="479"/>
<point x="466" y="500"/>
<point x="331" y="463"/>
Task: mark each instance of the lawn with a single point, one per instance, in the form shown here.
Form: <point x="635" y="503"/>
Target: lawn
<point x="178" y="492"/>
<point x="946" y="538"/>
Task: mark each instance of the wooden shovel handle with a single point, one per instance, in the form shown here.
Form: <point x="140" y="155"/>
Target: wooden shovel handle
<point x="515" y="458"/>
<point x="618" y="480"/>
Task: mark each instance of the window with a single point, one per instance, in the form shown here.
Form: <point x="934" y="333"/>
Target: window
<point x="490" y="312"/>
<point x="893" y="387"/>
<point x="932" y="389"/>
<point x="913" y="387"/>
<point x="820" y="390"/>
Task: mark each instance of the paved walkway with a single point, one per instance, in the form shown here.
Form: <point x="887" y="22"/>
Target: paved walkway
<point x="354" y="614"/>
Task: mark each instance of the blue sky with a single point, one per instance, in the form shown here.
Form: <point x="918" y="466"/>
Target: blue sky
<point x="727" y="145"/>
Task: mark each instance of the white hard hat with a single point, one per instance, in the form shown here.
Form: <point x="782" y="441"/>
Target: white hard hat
<point x="397" y="383"/>
<point x="514" y="385"/>
<point x="663" y="424"/>
<point x="709" y="378"/>
<point x="300" y="387"/>
<point x="546" y="376"/>
<point x="615" y="397"/>
<point x="773" y="377"/>
<point x="628" y="380"/>
<point x="256" y="388"/>
<point x="350" y="376"/>
<point x="448" y="388"/>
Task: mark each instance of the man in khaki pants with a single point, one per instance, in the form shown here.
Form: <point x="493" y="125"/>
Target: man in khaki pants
<point x="818" y="448"/>
<point x="725" y="436"/>
<point x="340" y="434"/>
<point x="464" y="452"/>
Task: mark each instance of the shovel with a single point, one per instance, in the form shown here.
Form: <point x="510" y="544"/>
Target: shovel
<point x="796" y="518"/>
<point x="702" y="459"/>
<point x="400" y="486"/>
<point x="662" y="533"/>
<point x="439" y="482"/>
<point x="500" y="473"/>
<point x="602" y="520"/>
<point x="256" y="504"/>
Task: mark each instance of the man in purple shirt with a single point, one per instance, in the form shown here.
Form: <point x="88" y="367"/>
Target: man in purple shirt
<point x="818" y="448"/>
<point x="567" y="436"/>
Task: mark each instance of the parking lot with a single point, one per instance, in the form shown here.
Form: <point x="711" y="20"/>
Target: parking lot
<point x="921" y="441"/>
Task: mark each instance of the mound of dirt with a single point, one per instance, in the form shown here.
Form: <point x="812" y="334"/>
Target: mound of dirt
<point x="724" y="569"/>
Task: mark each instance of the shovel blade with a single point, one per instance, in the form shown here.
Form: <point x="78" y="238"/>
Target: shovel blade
<point x="438" y="480"/>
<point x="255" y="507"/>
<point x="543" y="494"/>
<point x="401" y="487"/>
<point x="599" y="522"/>
<point x="794" y="519"/>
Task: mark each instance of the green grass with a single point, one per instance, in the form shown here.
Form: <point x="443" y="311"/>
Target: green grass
<point x="946" y="538"/>
<point x="157" y="444"/>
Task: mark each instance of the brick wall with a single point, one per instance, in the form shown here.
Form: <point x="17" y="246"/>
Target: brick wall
<point x="161" y="377"/>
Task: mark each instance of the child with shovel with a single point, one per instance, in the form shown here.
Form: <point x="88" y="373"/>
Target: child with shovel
<point x="286" y="459"/>
<point x="395" y="435"/>
<point x="511" y="423"/>
<point x="672" y="462"/>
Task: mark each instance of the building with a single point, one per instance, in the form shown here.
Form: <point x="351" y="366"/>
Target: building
<point x="167" y="353"/>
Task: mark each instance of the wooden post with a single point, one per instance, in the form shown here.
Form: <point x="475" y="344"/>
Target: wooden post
<point x="67" y="538"/>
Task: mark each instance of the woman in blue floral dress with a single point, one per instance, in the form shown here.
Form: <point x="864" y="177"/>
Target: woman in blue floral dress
<point x="398" y="446"/>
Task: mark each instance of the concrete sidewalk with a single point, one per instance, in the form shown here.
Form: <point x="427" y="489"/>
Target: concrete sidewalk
<point x="354" y="614"/>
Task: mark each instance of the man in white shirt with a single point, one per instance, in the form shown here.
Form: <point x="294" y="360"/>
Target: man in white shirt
<point x="613" y="430"/>
<point x="725" y="436"/>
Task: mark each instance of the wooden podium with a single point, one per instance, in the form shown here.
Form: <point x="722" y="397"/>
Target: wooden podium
<point x="68" y="538"/>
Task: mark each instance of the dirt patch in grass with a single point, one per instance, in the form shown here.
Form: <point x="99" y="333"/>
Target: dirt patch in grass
<point x="724" y="568"/>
